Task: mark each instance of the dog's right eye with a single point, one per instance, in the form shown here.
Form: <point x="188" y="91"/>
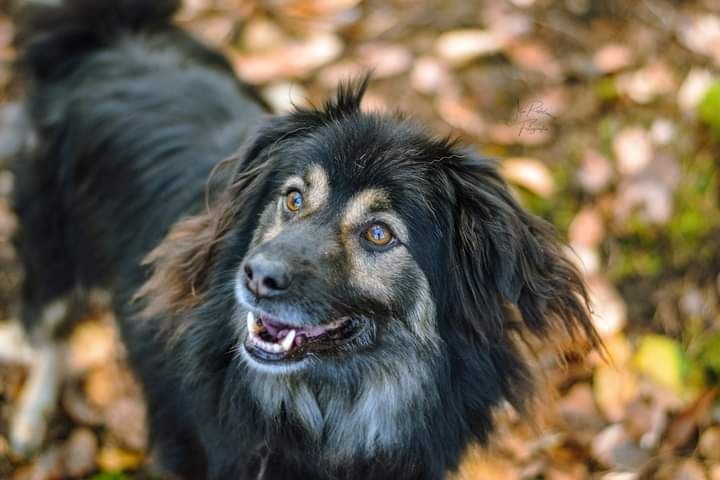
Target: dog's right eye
<point x="294" y="201"/>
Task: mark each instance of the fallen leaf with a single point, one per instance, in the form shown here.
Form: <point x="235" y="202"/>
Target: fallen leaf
<point x="690" y="469"/>
<point x="459" y="47"/>
<point x="125" y="419"/>
<point x="314" y="51"/>
<point x="578" y="411"/>
<point x="587" y="259"/>
<point x="101" y="386"/>
<point x="534" y="56"/>
<point x="294" y="60"/>
<point x="575" y="471"/>
<point x="620" y="476"/>
<point x="614" y="384"/>
<point x="92" y="344"/>
<point x="214" y="29"/>
<point x="683" y="427"/>
<point x="612" y="57"/>
<point x="633" y="150"/>
<point x="260" y="34"/>
<point x="614" y="388"/>
<point x="506" y="22"/>
<point x="646" y="420"/>
<point x="283" y="97"/>
<point x="648" y="83"/>
<point x="192" y="8"/>
<point x="663" y="131"/>
<point x="595" y="172"/>
<point x="709" y="444"/>
<point x="523" y="3"/>
<point x="117" y="459"/>
<point x="80" y="452"/>
<point x="663" y="360"/>
<point x="372" y="102"/>
<point x="701" y="34"/>
<point x="331" y="75"/>
<point x="587" y="228"/>
<point x="614" y="448"/>
<point x="652" y="198"/>
<point x="47" y="466"/>
<point x="384" y="59"/>
<point x="428" y="75"/>
<point x="609" y="312"/>
<point x="14" y="347"/>
<point x="715" y="472"/>
<point x="78" y="407"/>
<point x="312" y="9"/>
<point x="529" y="173"/>
<point x="378" y="21"/>
<point x="458" y="114"/>
<point x="694" y="88"/>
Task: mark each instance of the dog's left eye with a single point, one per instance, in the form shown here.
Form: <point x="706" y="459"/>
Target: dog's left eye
<point x="378" y="236"/>
<point x="294" y="201"/>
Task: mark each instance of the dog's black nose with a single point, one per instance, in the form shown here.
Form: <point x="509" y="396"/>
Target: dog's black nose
<point x="266" y="278"/>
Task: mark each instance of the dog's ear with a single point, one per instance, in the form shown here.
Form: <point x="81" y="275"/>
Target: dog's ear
<point x="518" y="255"/>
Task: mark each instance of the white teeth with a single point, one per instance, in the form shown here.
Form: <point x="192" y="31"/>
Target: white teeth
<point x="251" y="324"/>
<point x="254" y="331"/>
<point x="287" y="342"/>
<point x="267" y="346"/>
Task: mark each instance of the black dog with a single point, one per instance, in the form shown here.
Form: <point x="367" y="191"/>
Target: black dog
<point x="342" y="297"/>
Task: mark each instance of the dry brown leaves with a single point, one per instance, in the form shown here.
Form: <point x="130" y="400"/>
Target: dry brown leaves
<point x="592" y="106"/>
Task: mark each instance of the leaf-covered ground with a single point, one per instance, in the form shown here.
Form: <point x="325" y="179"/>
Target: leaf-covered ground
<point x="607" y="118"/>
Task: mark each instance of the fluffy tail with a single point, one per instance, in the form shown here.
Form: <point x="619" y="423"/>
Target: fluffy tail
<point x="54" y="35"/>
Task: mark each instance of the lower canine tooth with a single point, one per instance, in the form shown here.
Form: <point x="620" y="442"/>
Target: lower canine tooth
<point x="287" y="342"/>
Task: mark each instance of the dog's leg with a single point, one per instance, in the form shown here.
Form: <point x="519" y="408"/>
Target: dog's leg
<point x="40" y="392"/>
<point x="37" y="400"/>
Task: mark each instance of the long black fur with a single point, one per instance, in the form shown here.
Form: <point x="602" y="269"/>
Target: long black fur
<point x="131" y="119"/>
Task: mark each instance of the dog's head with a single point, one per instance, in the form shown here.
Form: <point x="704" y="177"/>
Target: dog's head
<point x="352" y="240"/>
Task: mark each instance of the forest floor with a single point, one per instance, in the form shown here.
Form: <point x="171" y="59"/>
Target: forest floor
<point x="606" y="118"/>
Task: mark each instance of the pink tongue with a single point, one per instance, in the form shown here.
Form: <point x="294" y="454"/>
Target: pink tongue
<point x="271" y="328"/>
<point x="314" y="331"/>
<point x="280" y="331"/>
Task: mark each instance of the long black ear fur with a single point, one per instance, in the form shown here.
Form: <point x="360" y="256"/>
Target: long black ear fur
<point x="502" y="245"/>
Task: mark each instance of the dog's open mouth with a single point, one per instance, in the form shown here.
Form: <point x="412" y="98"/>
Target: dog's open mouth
<point x="270" y="340"/>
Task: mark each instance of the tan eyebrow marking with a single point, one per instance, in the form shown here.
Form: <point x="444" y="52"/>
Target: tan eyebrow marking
<point x="362" y="203"/>
<point x="318" y="188"/>
<point x="314" y="186"/>
<point x="373" y="201"/>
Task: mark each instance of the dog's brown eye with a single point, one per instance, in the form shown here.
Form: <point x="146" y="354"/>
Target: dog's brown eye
<point x="378" y="235"/>
<point x="294" y="201"/>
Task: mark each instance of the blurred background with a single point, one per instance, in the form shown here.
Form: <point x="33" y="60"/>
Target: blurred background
<point x="606" y="116"/>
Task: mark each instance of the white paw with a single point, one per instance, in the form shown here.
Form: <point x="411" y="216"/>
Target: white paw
<point x="37" y="401"/>
<point x="27" y="432"/>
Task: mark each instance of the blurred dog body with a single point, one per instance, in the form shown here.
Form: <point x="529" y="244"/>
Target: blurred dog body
<point x="325" y="294"/>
